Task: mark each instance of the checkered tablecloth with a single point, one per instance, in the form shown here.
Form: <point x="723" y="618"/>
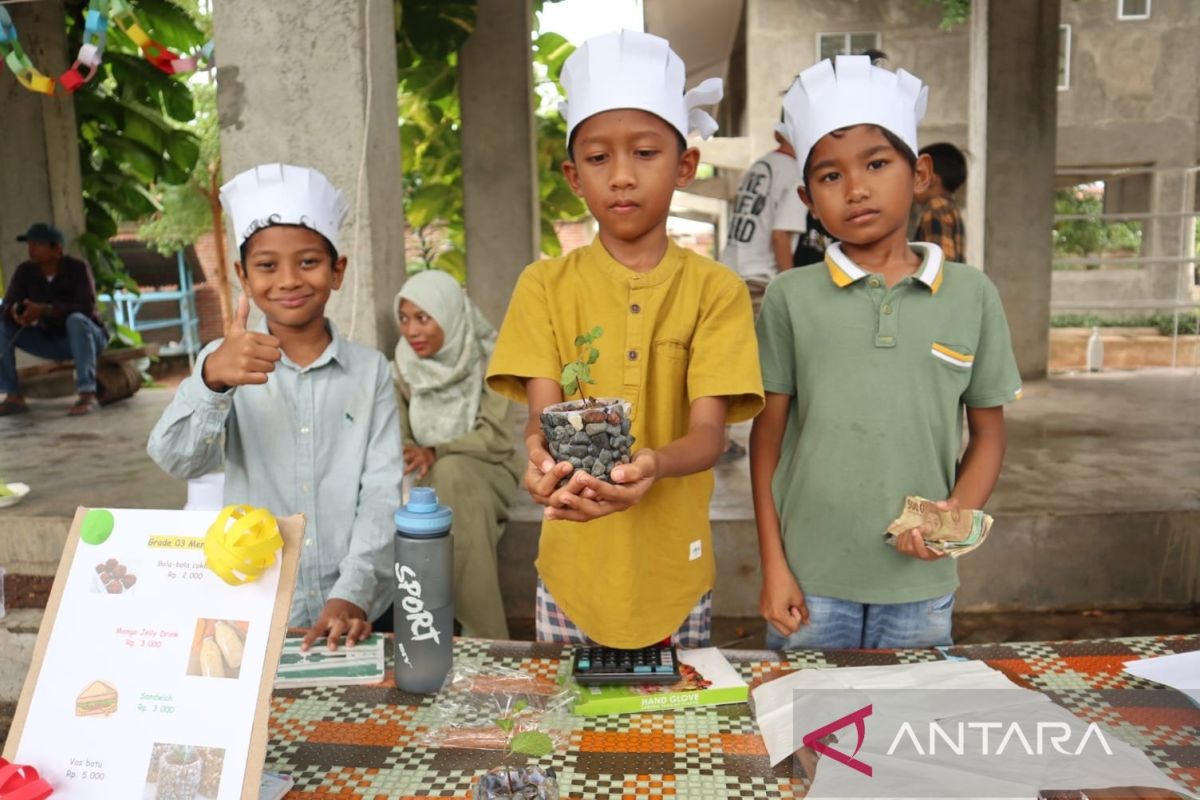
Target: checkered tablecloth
<point x="360" y="741"/>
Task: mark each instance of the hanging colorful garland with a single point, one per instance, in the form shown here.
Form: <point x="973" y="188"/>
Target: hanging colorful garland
<point x="96" y="22"/>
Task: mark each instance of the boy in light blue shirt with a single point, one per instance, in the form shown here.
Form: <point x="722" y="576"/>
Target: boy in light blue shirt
<point x="303" y="420"/>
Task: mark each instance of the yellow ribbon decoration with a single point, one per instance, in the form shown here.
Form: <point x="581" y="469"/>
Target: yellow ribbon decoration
<point x="241" y="552"/>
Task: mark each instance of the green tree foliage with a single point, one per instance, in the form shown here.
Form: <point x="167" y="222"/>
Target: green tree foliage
<point x="430" y="34"/>
<point x="130" y="135"/>
<point x="184" y="212"/>
<point x="954" y="12"/>
<point x="1087" y="237"/>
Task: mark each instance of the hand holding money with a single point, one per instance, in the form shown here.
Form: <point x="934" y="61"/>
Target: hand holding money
<point x="945" y="529"/>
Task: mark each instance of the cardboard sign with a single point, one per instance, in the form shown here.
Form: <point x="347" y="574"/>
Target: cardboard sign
<point x="151" y="677"/>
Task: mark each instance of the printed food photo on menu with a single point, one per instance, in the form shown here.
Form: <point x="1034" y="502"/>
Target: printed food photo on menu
<point x="183" y="772"/>
<point x="114" y="577"/>
<point x="217" y="648"/>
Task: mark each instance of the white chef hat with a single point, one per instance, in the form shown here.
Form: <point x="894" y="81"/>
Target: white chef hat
<point x="628" y="69"/>
<point x="831" y="95"/>
<point x="282" y="194"/>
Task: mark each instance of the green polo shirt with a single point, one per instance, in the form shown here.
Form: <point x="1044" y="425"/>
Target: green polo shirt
<point x="878" y="378"/>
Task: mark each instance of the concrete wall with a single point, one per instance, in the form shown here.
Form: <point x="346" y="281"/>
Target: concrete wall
<point x="1133" y="100"/>
<point x="39" y="155"/>
<point x="781" y="40"/>
<point x="1134" y="97"/>
<point x="314" y="83"/>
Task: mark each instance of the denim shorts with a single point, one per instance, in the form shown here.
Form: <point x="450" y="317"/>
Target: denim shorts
<point x="844" y="624"/>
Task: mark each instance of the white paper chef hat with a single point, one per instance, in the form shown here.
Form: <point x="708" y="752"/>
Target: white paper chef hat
<point x="282" y="194"/>
<point x="629" y="69"/>
<point x="851" y="91"/>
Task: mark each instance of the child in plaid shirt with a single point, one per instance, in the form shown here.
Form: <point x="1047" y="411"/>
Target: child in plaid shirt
<point x="941" y="223"/>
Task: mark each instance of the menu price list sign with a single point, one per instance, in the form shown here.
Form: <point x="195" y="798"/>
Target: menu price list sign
<point x="148" y="676"/>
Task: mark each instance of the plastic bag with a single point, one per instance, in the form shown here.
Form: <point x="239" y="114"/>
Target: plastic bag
<point x="500" y="708"/>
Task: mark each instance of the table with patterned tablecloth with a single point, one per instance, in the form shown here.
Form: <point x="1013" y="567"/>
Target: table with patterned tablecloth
<point x="362" y="741"/>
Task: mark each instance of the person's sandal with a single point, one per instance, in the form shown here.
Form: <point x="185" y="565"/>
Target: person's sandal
<point x="8" y="409"/>
<point x="82" y="407"/>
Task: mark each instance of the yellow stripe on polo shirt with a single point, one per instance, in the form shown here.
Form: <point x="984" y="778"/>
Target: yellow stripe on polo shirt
<point x="839" y="276"/>
<point x="937" y="282"/>
<point x="954" y="354"/>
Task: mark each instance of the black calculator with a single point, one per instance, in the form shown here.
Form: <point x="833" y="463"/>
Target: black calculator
<point x="601" y="666"/>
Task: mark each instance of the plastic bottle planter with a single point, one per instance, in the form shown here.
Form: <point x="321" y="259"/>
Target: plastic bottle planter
<point x="517" y="783"/>
<point x="592" y="434"/>
<point x="179" y="774"/>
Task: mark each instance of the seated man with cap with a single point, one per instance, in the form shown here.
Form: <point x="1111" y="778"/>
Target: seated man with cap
<point x="304" y="420"/>
<point x="49" y="311"/>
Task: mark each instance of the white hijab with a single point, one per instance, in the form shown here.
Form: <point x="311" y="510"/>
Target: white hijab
<point x="444" y="389"/>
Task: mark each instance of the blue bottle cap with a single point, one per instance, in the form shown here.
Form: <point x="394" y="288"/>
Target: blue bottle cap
<point x="423" y="516"/>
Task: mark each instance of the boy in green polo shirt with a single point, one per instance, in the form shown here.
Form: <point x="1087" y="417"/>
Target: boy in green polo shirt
<point x="867" y="366"/>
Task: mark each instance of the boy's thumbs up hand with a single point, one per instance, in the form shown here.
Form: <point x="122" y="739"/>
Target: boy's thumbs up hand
<point x="243" y="357"/>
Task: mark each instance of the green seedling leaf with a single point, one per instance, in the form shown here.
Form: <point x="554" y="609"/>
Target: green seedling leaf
<point x="532" y="743"/>
<point x="577" y="372"/>
<point x="519" y="706"/>
<point x="504" y="724"/>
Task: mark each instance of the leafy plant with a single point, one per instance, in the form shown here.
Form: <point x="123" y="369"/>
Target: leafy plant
<point x="1086" y="237"/>
<point x="1165" y="324"/>
<point x="124" y="338"/>
<point x="429" y="35"/>
<point x="530" y="743"/>
<point x="578" y="372"/>
<point x="131" y="131"/>
<point x="954" y="12"/>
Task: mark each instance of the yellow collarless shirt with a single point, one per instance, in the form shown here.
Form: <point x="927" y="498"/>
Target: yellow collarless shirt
<point x="683" y="330"/>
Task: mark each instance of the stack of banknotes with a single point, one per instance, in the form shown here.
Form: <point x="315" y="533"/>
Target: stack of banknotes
<point x="952" y="533"/>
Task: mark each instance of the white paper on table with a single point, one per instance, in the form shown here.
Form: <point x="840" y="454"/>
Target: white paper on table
<point x="902" y="693"/>
<point x="774" y="701"/>
<point x="1180" y="671"/>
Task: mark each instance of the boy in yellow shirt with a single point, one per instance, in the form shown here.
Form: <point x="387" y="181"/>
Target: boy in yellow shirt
<point x="678" y="346"/>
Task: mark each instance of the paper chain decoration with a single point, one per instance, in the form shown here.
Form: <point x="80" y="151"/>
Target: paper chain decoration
<point x="241" y="552"/>
<point x="95" y="38"/>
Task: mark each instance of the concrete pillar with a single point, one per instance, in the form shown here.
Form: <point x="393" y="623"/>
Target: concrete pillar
<point x="1013" y="104"/>
<point x="39" y="180"/>
<point x="1172" y="192"/>
<point x="499" y="146"/>
<point x="313" y="83"/>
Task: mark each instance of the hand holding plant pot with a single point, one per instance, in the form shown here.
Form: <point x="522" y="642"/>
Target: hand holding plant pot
<point x="592" y="434"/>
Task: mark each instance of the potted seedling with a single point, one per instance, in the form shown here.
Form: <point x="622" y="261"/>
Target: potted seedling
<point x="591" y="433"/>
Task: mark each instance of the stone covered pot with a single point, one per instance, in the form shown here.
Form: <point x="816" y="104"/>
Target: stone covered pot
<point x="179" y="773"/>
<point x="592" y="434"/>
<point x="517" y="783"/>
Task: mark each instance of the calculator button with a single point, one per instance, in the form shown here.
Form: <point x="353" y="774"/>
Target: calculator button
<point x="584" y="663"/>
<point x="643" y="668"/>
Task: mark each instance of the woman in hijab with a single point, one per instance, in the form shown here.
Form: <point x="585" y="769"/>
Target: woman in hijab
<point x="458" y="435"/>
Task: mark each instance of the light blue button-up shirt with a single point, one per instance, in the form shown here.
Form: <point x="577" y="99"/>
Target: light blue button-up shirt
<point x="321" y="440"/>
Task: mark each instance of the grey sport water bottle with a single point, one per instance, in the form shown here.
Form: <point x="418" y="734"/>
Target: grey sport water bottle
<point x="424" y="603"/>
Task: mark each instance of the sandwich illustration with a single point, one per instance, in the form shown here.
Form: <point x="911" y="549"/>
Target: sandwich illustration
<point x="98" y="699"/>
